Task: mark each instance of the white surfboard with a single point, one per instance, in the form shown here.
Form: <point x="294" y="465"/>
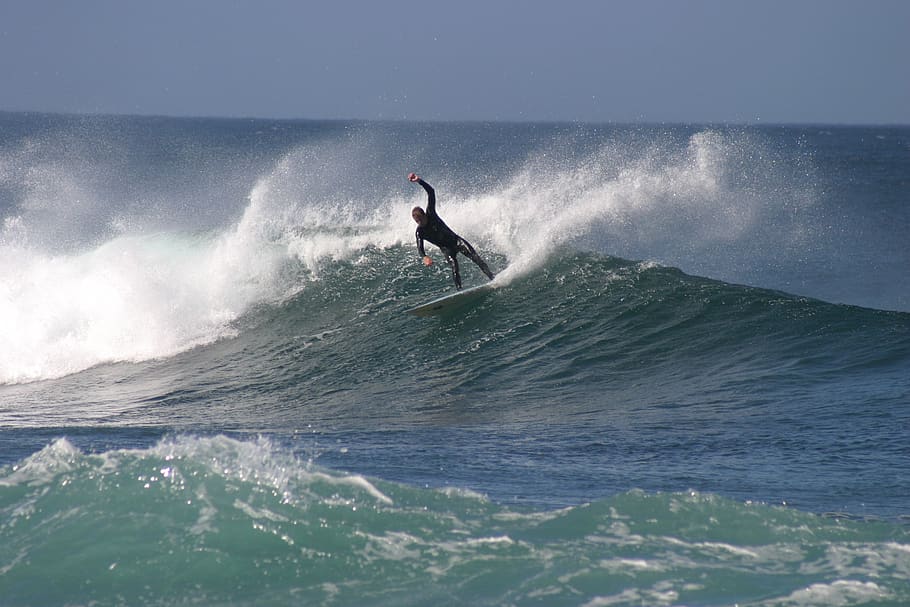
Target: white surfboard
<point x="451" y="301"/>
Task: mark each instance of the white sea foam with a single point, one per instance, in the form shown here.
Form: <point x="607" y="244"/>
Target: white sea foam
<point x="835" y="594"/>
<point x="133" y="298"/>
<point x="42" y="467"/>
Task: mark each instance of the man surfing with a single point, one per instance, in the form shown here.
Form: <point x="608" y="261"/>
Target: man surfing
<point x="431" y="228"/>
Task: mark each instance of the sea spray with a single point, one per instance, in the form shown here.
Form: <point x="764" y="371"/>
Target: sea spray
<point x="119" y="294"/>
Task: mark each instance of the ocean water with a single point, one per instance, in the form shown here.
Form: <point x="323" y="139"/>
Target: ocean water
<point x="689" y="386"/>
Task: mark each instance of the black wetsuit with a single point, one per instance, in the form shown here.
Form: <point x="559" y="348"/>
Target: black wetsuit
<point x="451" y="244"/>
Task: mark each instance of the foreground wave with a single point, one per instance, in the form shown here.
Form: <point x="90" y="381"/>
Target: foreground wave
<point x="226" y="522"/>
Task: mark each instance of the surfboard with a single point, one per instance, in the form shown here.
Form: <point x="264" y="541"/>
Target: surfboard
<point x="450" y="302"/>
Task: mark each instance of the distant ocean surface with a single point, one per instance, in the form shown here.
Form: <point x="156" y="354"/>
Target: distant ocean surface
<point x="689" y="386"/>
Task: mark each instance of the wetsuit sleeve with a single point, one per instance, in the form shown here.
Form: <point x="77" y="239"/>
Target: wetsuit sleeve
<point x="420" y="245"/>
<point x="431" y="196"/>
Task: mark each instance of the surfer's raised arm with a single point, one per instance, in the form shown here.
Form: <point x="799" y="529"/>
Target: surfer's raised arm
<point x="431" y="193"/>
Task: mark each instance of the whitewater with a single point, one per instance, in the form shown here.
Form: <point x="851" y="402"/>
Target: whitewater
<point x="689" y="386"/>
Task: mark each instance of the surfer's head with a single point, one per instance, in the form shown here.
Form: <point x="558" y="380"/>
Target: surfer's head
<point x="419" y="216"/>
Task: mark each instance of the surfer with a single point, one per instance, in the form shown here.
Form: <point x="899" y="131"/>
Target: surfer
<point x="431" y="228"/>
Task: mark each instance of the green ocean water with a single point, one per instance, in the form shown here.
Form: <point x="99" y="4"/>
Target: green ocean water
<point x="224" y="522"/>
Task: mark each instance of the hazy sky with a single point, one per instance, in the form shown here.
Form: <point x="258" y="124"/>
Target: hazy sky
<point x="657" y="61"/>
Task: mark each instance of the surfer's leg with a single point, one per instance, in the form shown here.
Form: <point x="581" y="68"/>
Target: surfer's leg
<point x="451" y="257"/>
<point x="465" y="247"/>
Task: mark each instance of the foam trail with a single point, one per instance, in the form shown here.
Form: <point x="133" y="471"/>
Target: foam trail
<point x="613" y="199"/>
<point x="655" y="200"/>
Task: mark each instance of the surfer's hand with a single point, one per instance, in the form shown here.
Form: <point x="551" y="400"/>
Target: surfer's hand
<point x="426" y="260"/>
<point x="413" y="177"/>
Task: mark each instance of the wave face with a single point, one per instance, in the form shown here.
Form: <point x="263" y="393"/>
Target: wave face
<point x="688" y="386"/>
<point x="218" y="521"/>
